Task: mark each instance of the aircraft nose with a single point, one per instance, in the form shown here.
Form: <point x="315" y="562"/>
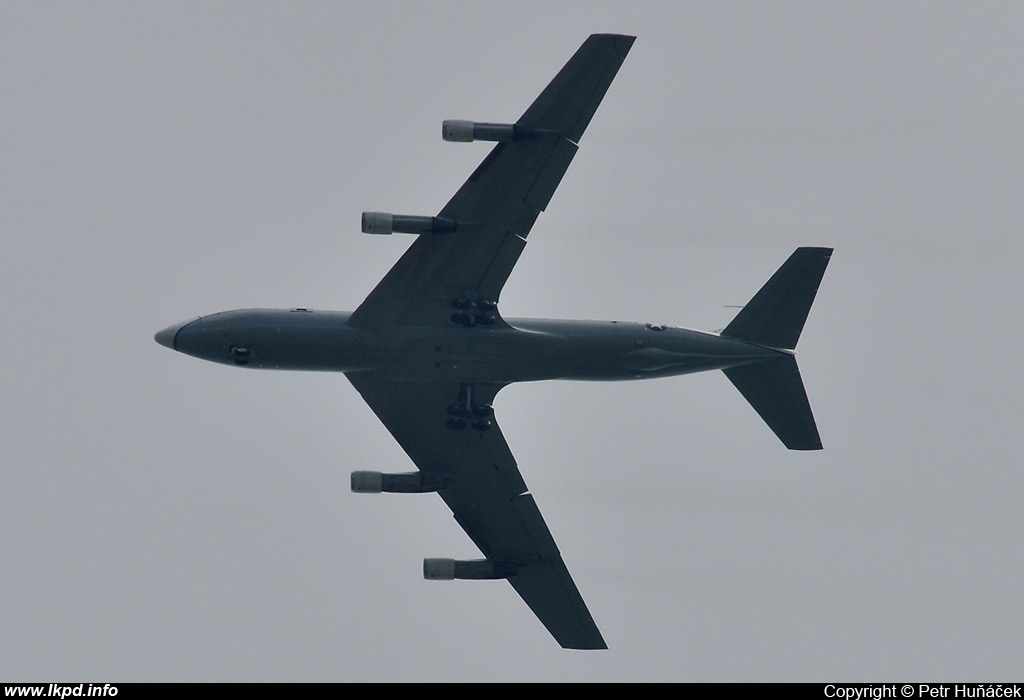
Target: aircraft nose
<point x="167" y="335"/>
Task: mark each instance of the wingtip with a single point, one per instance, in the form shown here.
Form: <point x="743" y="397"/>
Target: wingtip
<point x="626" y="40"/>
<point x="824" y="251"/>
<point x="590" y="645"/>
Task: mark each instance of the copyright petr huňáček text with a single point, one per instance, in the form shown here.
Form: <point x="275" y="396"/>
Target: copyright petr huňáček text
<point x="923" y="690"/>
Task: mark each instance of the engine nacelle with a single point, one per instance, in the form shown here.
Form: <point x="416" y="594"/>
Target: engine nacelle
<point x="448" y="569"/>
<point x="464" y="131"/>
<point x="376" y="482"/>
<point x="379" y="222"/>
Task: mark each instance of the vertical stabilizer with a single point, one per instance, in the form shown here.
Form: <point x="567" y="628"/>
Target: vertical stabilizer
<point x="776" y="314"/>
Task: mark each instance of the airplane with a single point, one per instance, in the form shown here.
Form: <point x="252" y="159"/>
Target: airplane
<point x="428" y="349"/>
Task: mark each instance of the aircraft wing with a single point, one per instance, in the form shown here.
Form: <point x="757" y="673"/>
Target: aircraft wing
<point x="477" y="477"/>
<point x="496" y="208"/>
<point x="485" y="228"/>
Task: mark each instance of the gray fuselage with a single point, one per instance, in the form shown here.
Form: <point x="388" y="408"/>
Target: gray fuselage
<point x="524" y="350"/>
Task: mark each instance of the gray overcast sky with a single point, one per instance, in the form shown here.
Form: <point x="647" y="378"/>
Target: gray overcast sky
<point x="169" y="519"/>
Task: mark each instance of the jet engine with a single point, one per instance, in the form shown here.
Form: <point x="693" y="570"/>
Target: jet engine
<point x="379" y="222"/>
<point x="375" y="482"/>
<point x="465" y="131"/>
<point x="448" y="569"/>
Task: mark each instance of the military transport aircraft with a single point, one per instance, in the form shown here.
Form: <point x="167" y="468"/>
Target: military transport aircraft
<point x="428" y="349"/>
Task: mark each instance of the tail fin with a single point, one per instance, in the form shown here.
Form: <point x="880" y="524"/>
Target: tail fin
<point x="774" y="318"/>
<point x="776" y="314"/>
<point x="776" y="392"/>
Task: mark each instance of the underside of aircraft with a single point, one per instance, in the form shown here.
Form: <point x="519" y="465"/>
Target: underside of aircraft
<point x="428" y="349"/>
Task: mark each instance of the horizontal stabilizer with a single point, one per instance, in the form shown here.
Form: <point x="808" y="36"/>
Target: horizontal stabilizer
<point x="776" y="314"/>
<point x="776" y="392"/>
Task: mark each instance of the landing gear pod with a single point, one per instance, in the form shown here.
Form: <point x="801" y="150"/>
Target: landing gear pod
<point x="378" y="222"/>
<point x="448" y="569"/>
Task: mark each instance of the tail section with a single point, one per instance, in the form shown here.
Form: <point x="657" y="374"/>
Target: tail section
<point x="776" y="392"/>
<point x="774" y="318"/>
<point x="776" y="314"/>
